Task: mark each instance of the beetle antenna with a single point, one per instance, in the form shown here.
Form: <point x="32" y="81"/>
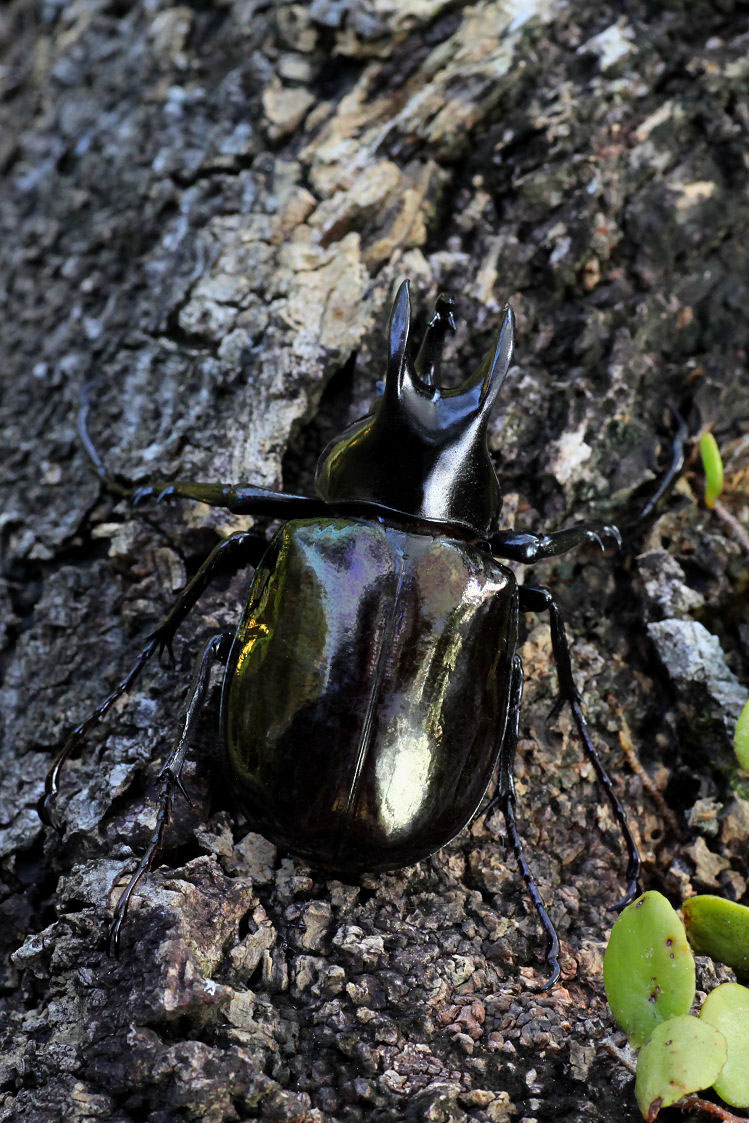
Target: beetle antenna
<point x="442" y="321"/>
<point x="84" y="408"/>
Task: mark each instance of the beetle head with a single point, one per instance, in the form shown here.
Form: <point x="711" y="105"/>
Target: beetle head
<point x="422" y="452"/>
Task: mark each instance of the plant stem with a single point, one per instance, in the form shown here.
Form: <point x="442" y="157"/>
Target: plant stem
<point x="733" y="525"/>
<point x="696" y="1103"/>
<point x="692" y="1102"/>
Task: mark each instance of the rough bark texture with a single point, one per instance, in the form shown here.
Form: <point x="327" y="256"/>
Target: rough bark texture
<point x="204" y="209"/>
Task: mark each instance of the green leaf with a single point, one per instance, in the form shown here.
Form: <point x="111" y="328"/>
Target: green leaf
<point x="727" y="1009"/>
<point x="741" y="737"/>
<point x="720" y="929"/>
<point x="713" y="466"/>
<point x="681" y="1056"/>
<point x="648" y="967"/>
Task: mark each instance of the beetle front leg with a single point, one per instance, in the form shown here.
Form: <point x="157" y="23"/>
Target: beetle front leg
<point x="240" y="500"/>
<point x="244" y="548"/>
<point x="217" y="650"/>
<point x="537" y="599"/>
<point x="505" y="799"/>
<point x="529" y="548"/>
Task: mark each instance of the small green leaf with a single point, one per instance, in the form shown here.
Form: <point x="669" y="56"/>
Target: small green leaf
<point x="681" y="1056"/>
<point x="727" y="1009"/>
<point x="741" y="737"/>
<point x="648" y="967"/>
<point x="720" y="929"/>
<point x="713" y="466"/>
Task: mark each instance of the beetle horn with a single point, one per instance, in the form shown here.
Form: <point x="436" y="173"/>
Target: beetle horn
<point x="441" y="321"/>
<point x="400" y="322"/>
<point x="490" y="373"/>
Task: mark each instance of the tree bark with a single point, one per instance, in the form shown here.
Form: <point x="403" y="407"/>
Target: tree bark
<point x="205" y="209"/>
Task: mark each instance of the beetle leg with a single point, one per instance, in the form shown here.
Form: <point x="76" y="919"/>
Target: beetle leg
<point x="529" y="548"/>
<point x="537" y="599"/>
<point x="672" y="472"/>
<point x="217" y="650"/>
<point x="230" y="554"/>
<point x="239" y="500"/>
<point x="504" y="798"/>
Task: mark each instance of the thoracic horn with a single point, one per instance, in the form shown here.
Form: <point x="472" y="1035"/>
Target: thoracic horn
<point x="398" y="330"/>
<point x="422" y="452"/>
<point x="486" y="381"/>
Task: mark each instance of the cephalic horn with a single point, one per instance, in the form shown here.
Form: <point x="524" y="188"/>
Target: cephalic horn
<point x="441" y="322"/>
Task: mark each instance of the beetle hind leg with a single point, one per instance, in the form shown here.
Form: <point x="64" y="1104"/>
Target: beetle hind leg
<point x="46" y="808"/>
<point x="504" y="798"/>
<point x="232" y="552"/>
<point x="538" y="599"/>
<point x="217" y="650"/>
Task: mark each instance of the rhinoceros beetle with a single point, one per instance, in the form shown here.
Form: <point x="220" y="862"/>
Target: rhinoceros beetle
<point x="372" y="689"/>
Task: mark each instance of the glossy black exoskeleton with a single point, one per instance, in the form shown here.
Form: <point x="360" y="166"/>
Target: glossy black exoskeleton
<point x="372" y="689"/>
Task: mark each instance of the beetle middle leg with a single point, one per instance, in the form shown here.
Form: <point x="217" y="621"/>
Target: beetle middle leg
<point x="528" y="548"/>
<point x="217" y="650"/>
<point x="504" y="798"/>
<point x="244" y="548"/>
<point x="539" y="599"/>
